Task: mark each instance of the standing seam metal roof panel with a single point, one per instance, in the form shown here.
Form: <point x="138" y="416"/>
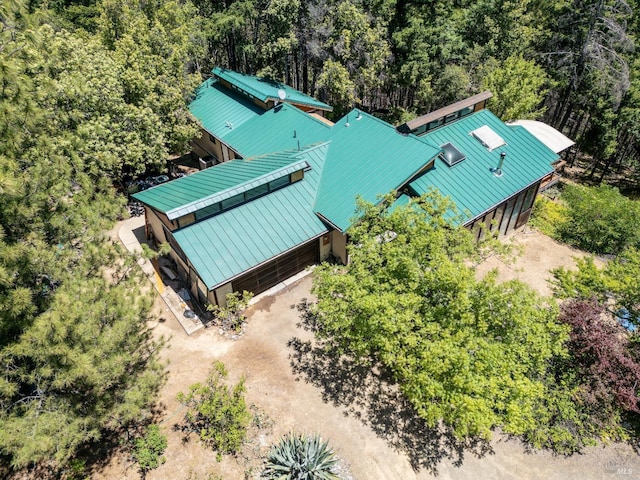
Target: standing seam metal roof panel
<point x="282" y="128"/>
<point x="229" y="244"/>
<point x="470" y="183"/>
<point x="221" y="110"/>
<point x="369" y="158"/>
<point x="220" y="178"/>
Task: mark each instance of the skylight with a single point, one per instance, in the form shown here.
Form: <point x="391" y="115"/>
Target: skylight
<point x="451" y="155"/>
<point x="490" y="139"/>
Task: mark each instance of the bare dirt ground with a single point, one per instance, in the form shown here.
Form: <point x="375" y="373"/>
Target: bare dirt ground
<point x="538" y="255"/>
<point x="294" y="388"/>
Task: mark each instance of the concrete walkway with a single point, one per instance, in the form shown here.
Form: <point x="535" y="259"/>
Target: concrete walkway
<point x="131" y="234"/>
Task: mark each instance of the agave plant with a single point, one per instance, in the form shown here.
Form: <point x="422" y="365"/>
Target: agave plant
<point x="299" y="457"/>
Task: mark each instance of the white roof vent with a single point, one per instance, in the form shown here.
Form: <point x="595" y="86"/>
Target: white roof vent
<point x="490" y="139"/>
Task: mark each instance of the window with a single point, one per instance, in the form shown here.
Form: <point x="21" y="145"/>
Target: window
<point x="212" y="138"/>
<point x="435" y="123"/>
<point x="466" y="111"/>
<point x="450" y="117"/>
<point x="420" y="130"/>
<point x="207" y="211"/>
<point x="233" y="201"/>
<point x="256" y="192"/>
<point x="528" y="201"/>
<point x="278" y="182"/>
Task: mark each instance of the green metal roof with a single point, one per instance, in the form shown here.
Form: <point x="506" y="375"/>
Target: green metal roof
<point x="265" y="90"/>
<point x="470" y="183"/>
<point x="368" y="158"/>
<point x="225" y="246"/>
<point x="282" y="128"/>
<point x="187" y="194"/>
<point x="220" y="110"/>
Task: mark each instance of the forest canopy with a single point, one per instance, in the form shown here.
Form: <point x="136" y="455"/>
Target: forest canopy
<point x="79" y="111"/>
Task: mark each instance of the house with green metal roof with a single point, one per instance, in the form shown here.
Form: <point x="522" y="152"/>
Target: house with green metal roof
<point x="286" y="197"/>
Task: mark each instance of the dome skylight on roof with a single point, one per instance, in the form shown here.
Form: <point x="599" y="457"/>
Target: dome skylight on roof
<point x="490" y="139"/>
<point x="451" y="155"/>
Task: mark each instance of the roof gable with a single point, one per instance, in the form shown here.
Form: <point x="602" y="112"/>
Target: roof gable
<point x="267" y="90"/>
<point x="368" y="158"/>
<point x="471" y="184"/>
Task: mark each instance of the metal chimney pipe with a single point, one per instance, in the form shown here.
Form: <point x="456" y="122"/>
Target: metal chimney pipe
<point x="502" y="155"/>
<point x="498" y="171"/>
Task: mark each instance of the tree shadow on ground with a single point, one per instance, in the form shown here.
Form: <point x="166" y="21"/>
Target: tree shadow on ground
<point x="371" y="395"/>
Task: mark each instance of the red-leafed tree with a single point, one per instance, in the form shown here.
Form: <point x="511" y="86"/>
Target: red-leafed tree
<point x="605" y="358"/>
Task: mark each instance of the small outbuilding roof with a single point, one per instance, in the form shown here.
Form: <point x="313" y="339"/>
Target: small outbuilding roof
<point x="267" y="90"/>
<point x="552" y="138"/>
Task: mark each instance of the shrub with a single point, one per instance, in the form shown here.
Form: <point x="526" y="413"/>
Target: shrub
<point x="599" y="219"/>
<point x="231" y="317"/>
<point x="547" y="216"/>
<point x="216" y="412"/>
<point x="302" y="458"/>
<point x="149" y="449"/>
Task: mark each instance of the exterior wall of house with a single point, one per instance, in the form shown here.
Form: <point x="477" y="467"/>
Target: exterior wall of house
<point x="183" y="269"/>
<point x="325" y="246"/>
<point x="186" y="220"/>
<point x="208" y="145"/>
<point x="154" y="225"/>
<point x="339" y="246"/>
<point x="211" y="297"/>
<point x="296" y="176"/>
<point x="506" y="217"/>
<point x="221" y="294"/>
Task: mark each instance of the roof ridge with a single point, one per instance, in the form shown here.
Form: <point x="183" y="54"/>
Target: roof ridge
<point x="387" y="124"/>
<point x="243" y="75"/>
<point x="239" y="188"/>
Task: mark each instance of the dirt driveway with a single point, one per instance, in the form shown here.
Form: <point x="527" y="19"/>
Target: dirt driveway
<point x="292" y="389"/>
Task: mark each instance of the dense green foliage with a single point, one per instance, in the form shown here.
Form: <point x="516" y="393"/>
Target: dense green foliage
<point x="596" y="219"/>
<point x="573" y="62"/>
<point x="547" y="216"/>
<point x="83" y="365"/>
<point x="300" y="457"/>
<point x="216" y="412"/>
<point x="468" y="352"/>
<point x="599" y="219"/>
<point x="95" y="91"/>
<point x="149" y="448"/>
<point x="77" y="360"/>
<point x="615" y="285"/>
